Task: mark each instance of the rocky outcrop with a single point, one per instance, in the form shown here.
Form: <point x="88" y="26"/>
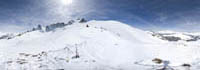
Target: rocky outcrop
<point x="54" y="26"/>
<point x="82" y="20"/>
<point x="7" y="36"/>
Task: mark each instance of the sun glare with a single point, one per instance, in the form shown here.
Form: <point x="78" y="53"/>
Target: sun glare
<point x="66" y="2"/>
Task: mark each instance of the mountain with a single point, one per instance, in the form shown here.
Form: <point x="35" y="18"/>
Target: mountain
<point x="176" y="36"/>
<point x="92" y="45"/>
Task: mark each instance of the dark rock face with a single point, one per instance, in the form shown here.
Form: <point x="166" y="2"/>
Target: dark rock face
<point x="47" y="29"/>
<point x="70" y="22"/>
<point x="82" y="20"/>
<point x="39" y="27"/>
<point x="58" y="25"/>
<point x="54" y="26"/>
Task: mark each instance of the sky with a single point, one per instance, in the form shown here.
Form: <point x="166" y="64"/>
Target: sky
<point x="180" y="15"/>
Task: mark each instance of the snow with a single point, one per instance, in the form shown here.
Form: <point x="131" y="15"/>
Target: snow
<point x="104" y="45"/>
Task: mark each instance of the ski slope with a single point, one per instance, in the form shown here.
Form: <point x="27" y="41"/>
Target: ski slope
<point x="103" y="45"/>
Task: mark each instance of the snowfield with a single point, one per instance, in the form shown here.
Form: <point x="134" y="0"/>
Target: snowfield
<point x="95" y="45"/>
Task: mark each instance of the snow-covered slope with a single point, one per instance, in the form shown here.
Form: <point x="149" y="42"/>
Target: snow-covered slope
<point x="94" y="45"/>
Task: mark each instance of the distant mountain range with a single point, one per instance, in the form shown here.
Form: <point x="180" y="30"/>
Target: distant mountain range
<point x="176" y="36"/>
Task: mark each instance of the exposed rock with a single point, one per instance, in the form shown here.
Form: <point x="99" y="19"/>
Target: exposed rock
<point x="70" y="22"/>
<point x="82" y="20"/>
<point x="7" y="36"/>
<point x="54" y="26"/>
<point x="157" y="60"/>
<point x="171" y="38"/>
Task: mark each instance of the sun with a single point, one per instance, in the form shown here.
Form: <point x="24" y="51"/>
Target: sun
<point x="66" y="2"/>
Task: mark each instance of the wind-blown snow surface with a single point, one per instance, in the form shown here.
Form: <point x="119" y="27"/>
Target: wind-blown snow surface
<point x="104" y="45"/>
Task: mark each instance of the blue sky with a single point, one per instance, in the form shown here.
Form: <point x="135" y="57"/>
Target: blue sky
<point x="181" y="15"/>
